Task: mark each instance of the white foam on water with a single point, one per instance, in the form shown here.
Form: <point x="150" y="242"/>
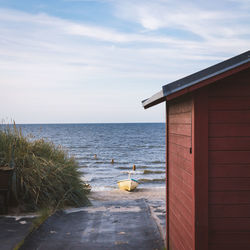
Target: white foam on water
<point x="102" y="188"/>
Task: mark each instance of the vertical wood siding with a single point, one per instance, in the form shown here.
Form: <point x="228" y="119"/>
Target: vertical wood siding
<point x="229" y="163"/>
<point x="200" y="155"/>
<point x="180" y="173"/>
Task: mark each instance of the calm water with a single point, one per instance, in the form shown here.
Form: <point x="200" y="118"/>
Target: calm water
<point x="142" y="144"/>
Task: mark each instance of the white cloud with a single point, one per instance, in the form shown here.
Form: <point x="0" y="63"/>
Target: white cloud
<point x="208" y="23"/>
<point x="61" y="68"/>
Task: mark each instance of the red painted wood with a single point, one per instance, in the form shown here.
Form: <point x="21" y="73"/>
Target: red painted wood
<point x="229" y="162"/>
<point x="229" y="224"/>
<point x="220" y="142"/>
<point x="174" y="211"/>
<point x="236" y="210"/>
<point x="233" y="197"/>
<point x="183" y="118"/>
<point x="176" y="242"/>
<point x="167" y="179"/>
<point x="232" y="103"/>
<point x="181" y="106"/>
<point x="228" y="116"/>
<point x="201" y="168"/>
<point x="182" y="163"/>
<point x="182" y="140"/>
<point x="242" y="89"/>
<point x="237" y="85"/>
<point x="229" y="157"/>
<point x="180" y="185"/>
<point x="180" y="129"/>
<point x="181" y="233"/>
<point x="229" y="170"/>
<point x="184" y="210"/>
<point x="231" y="238"/>
<point x="229" y="143"/>
<point x="229" y="184"/>
<point x="176" y="192"/>
<point x="228" y="246"/>
<point x="232" y="130"/>
<point x="181" y="151"/>
<point x="184" y="178"/>
<point x="193" y="147"/>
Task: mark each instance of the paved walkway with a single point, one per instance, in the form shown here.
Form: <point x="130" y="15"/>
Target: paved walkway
<point x="105" y="225"/>
<point x="13" y="230"/>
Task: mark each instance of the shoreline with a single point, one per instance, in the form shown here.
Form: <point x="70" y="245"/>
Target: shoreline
<point x="150" y="194"/>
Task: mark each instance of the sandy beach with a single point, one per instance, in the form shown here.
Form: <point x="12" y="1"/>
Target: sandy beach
<point x="149" y="194"/>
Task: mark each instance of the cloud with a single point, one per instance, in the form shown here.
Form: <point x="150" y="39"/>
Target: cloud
<point x="210" y="23"/>
<point x="62" y="67"/>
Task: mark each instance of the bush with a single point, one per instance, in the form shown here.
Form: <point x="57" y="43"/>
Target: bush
<point x="44" y="174"/>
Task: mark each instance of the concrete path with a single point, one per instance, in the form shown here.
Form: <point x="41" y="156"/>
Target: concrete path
<point x="105" y="225"/>
<point x="158" y="212"/>
<point x="13" y="230"/>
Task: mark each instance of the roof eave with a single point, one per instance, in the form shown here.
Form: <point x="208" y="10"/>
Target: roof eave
<point x="154" y="100"/>
<point x="199" y="79"/>
<point x="167" y="91"/>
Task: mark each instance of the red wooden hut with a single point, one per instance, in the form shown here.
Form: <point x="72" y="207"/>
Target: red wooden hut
<point x="208" y="157"/>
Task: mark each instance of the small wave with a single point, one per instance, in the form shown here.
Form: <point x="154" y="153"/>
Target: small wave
<point x="132" y="173"/>
<point x="87" y="178"/>
<point x="153" y="172"/>
<point x="101" y="162"/>
<point x="79" y="157"/>
<point x="158" y="162"/>
<point x="151" y="180"/>
<point x="142" y="167"/>
<point x="102" y="188"/>
<point x="99" y="178"/>
<point x="126" y="168"/>
<point x="83" y="166"/>
<point x="121" y="162"/>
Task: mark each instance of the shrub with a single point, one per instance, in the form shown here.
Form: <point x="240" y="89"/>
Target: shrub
<point x="44" y="174"/>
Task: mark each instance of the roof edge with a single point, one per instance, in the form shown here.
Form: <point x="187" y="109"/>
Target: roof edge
<point x="153" y="100"/>
<point x="167" y="90"/>
<point x="194" y="79"/>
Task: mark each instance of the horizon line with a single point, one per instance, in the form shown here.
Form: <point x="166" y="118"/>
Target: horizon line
<point x="70" y="123"/>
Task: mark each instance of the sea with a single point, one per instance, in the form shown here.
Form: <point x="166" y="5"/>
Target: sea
<point x="107" y="152"/>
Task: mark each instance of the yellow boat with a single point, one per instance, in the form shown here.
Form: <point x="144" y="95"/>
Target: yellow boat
<point x="128" y="185"/>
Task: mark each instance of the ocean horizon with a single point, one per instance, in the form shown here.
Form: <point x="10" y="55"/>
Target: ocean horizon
<point x="72" y="123"/>
<point x="94" y="145"/>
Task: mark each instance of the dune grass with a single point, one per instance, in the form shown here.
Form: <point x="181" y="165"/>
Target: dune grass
<point x="44" y="175"/>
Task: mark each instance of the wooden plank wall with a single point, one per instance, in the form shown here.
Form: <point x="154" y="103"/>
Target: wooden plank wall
<point x="229" y="163"/>
<point x="180" y="176"/>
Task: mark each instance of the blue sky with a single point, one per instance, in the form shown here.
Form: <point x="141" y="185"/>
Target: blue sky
<point x="66" y="61"/>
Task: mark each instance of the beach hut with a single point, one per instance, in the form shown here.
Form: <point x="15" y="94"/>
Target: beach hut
<point x="208" y="157"/>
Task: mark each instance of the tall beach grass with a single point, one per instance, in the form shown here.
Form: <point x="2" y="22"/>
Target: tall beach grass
<point x="44" y="175"/>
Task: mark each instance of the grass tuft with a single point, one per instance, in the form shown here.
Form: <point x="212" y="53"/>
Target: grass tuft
<point x="44" y="175"/>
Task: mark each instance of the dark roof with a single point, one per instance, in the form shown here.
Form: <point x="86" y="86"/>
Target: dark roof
<point x="196" y="78"/>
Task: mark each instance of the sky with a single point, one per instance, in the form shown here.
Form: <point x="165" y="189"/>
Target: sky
<point x="94" y="61"/>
